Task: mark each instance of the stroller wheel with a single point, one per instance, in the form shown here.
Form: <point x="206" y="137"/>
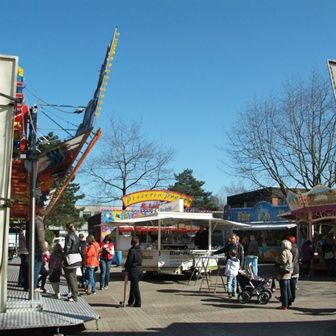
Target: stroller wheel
<point x="243" y="297"/>
<point x="263" y="298"/>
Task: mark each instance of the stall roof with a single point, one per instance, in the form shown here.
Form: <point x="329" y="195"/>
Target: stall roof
<point x="270" y="226"/>
<point x="193" y="216"/>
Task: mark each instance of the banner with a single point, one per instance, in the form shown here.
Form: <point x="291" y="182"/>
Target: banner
<point x="156" y="195"/>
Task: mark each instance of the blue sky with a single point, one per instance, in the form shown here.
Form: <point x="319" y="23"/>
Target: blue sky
<point x="183" y="68"/>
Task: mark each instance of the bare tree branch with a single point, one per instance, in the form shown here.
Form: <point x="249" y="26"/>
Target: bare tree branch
<point x="128" y="160"/>
<point x="288" y="141"/>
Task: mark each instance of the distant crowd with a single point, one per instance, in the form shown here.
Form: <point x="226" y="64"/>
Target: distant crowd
<point x="81" y="257"/>
<point x="79" y="260"/>
<point x="242" y="258"/>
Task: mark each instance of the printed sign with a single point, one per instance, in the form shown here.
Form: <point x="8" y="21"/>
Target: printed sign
<point x="156" y="195"/>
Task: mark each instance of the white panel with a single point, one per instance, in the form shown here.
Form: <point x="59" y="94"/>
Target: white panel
<point x="332" y="73"/>
<point x="8" y="71"/>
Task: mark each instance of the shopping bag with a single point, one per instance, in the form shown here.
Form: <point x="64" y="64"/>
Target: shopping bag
<point x="73" y="258"/>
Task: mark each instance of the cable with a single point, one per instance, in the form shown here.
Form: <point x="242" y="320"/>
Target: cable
<point x="79" y="109"/>
<point x="57" y="129"/>
<point x="56" y="123"/>
<point x="57" y="116"/>
<point x="55" y="106"/>
<point x="33" y="128"/>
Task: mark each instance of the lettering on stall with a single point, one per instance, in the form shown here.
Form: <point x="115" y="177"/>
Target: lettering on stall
<point x="147" y="256"/>
<point x="176" y="253"/>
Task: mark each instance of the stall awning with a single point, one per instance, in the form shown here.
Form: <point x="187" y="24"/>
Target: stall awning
<point x="271" y="226"/>
<point x="168" y="217"/>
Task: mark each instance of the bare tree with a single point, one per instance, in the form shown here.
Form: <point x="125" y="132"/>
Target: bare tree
<point x="128" y="161"/>
<point x="288" y="141"/>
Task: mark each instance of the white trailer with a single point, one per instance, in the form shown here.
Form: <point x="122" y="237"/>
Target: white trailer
<point x="172" y="252"/>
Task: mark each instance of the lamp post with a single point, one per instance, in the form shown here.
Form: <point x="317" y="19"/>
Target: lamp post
<point x="32" y="158"/>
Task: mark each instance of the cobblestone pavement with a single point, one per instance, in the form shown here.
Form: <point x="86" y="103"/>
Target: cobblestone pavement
<point x="174" y="307"/>
<point x="171" y="306"/>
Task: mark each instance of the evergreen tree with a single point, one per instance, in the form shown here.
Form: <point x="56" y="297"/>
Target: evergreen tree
<point x="187" y="184"/>
<point x="65" y="211"/>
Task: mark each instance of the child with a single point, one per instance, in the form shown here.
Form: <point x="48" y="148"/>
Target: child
<point x="55" y="268"/>
<point x="231" y="271"/>
<point x="44" y="267"/>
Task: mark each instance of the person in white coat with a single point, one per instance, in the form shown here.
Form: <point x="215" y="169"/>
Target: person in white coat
<point x="231" y="271"/>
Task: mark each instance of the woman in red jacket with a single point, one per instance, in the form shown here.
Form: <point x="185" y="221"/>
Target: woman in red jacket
<point x="91" y="262"/>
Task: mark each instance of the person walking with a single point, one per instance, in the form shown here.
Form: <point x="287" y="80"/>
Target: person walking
<point x="71" y="247"/>
<point x="284" y="270"/>
<point x="55" y="268"/>
<point x="106" y="255"/>
<point x="231" y="271"/>
<point x="91" y="261"/>
<point x="24" y="265"/>
<point x="40" y="246"/>
<point x="133" y="267"/>
<point x="44" y="271"/>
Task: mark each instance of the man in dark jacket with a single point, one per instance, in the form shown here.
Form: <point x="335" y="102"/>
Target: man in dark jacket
<point x="230" y="245"/>
<point x="71" y="246"/>
<point x="240" y="252"/>
<point x="202" y="238"/>
<point x="133" y="267"/>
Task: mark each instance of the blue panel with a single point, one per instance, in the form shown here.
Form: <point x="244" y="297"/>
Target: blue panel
<point x="262" y="212"/>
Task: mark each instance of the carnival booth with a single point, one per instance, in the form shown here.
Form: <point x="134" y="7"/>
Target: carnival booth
<point x="172" y="250"/>
<point x="266" y="224"/>
<point x="166" y="232"/>
<point x="315" y="215"/>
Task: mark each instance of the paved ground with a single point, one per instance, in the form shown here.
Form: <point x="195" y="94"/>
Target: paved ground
<point x="173" y="307"/>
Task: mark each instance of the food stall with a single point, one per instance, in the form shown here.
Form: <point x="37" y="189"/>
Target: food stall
<point x="169" y="246"/>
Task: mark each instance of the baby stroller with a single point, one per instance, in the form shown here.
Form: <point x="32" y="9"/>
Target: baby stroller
<point x="252" y="285"/>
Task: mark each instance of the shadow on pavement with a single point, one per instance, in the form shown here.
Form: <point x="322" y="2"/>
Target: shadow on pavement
<point x="320" y="328"/>
<point x="316" y="311"/>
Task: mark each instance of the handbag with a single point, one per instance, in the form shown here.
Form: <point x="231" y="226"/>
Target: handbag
<point x="73" y="258"/>
<point x="286" y="268"/>
<point x="283" y="268"/>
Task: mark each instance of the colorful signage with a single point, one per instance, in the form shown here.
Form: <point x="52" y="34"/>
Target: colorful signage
<point x="319" y="195"/>
<point x="110" y="216"/>
<point x="263" y="212"/>
<point x="156" y="195"/>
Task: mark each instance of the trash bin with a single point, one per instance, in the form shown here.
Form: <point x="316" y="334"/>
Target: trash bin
<point x="118" y="257"/>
